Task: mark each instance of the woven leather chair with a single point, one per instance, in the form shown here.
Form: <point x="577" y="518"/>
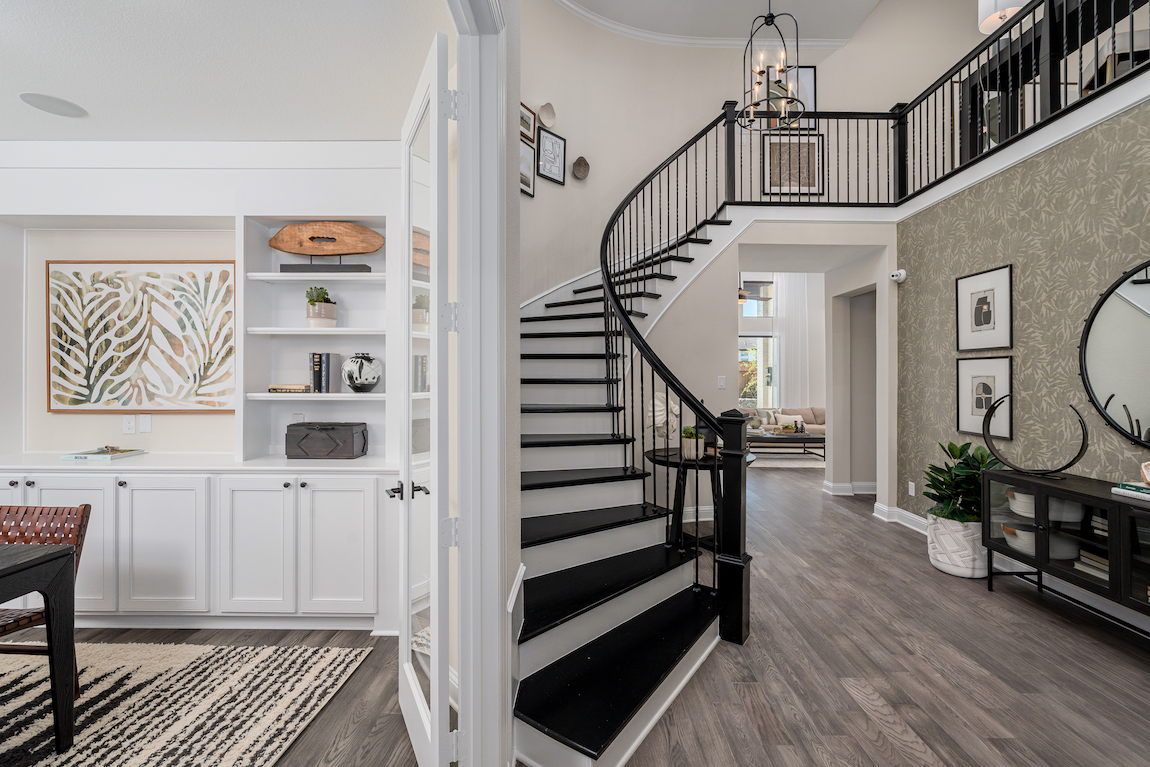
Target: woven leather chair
<point x="38" y="525"/>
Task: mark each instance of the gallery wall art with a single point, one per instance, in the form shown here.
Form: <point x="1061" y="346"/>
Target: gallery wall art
<point x="141" y="336"/>
<point x="984" y="317"/>
<point x="981" y="381"/>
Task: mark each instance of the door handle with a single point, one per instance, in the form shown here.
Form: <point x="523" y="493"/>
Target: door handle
<point x="287" y="484"/>
<point x="396" y="492"/>
<point x="122" y="483"/>
<point x="303" y="484"/>
<point x="419" y="489"/>
<point x="30" y="483"/>
<point x="12" y="483"/>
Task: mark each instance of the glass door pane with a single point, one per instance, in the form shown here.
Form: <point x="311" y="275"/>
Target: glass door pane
<point x="1138" y="559"/>
<point x="1013" y="523"/>
<point x="1079" y="540"/>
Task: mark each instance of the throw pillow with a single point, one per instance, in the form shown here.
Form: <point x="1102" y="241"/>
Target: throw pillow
<point x="767" y="414"/>
<point x="789" y="420"/>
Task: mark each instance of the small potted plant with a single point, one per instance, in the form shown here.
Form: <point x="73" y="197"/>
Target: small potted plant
<point x="421" y="313"/>
<point x="320" y="309"/>
<point x="954" y="525"/>
<point x="692" y="445"/>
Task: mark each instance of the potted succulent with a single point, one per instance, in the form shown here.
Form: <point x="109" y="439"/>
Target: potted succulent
<point x="954" y="525"/>
<point x="320" y="309"/>
<point x="421" y="313"/>
<point x="692" y="445"/>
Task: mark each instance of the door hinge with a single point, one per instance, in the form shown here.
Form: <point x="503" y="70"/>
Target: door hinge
<point x="451" y="317"/>
<point x="453" y="104"/>
<point x="455" y="744"/>
<point x="449" y="533"/>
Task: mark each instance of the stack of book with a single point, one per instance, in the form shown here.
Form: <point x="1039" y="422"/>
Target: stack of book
<point x="1093" y="564"/>
<point x="321" y="367"/>
<point x="1139" y="490"/>
<point x="420" y="380"/>
<point x="1100" y="526"/>
<point x="290" y="389"/>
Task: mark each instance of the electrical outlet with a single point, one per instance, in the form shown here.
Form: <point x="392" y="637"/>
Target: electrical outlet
<point x="297" y="417"/>
<point x="722" y="382"/>
<point x="129" y="424"/>
<point x="145" y="423"/>
<point x="910" y="488"/>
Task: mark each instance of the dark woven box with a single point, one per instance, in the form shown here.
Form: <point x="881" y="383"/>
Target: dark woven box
<point x="326" y="440"/>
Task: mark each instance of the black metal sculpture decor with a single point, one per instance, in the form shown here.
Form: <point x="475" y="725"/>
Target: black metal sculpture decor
<point x="989" y="440"/>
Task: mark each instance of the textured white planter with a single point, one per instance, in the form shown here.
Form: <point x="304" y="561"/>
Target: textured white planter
<point x="321" y="315"/>
<point x="691" y="449"/>
<point x="956" y="547"/>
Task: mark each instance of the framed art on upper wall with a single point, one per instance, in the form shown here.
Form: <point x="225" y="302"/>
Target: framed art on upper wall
<point x="526" y="122"/>
<point x="552" y="162"/>
<point x="792" y="162"/>
<point x="984" y="315"/>
<point x="141" y="336"/>
<point x="981" y="381"/>
<point x="526" y="168"/>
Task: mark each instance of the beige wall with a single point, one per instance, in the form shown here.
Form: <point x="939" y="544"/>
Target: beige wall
<point x="65" y="432"/>
<point x="862" y="387"/>
<point x="1071" y="220"/>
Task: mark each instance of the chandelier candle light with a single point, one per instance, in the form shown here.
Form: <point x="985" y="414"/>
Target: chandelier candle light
<point x="770" y="90"/>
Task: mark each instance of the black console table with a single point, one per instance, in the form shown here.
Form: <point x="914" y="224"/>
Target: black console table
<point x="1073" y="528"/>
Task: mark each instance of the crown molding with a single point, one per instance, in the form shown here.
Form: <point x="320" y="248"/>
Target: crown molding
<point x="686" y="41"/>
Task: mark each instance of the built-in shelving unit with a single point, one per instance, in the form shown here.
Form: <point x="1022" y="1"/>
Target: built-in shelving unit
<point x="313" y="397"/>
<point x="313" y="277"/>
<point x="281" y="331"/>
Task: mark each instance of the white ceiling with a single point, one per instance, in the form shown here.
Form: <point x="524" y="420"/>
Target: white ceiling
<point x="822" y="23"/>
<point x="236" y="70"/>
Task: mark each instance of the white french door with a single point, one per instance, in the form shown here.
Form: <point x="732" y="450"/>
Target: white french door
<point x="425" y="672"/>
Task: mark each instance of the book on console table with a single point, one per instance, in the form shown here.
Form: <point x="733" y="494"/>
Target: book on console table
<point x="1125" y="493"/>
<point x="106" y="453"/>
<point x="1138" y="487"/>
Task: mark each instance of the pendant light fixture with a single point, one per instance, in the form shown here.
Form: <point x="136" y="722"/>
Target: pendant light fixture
<point x="992" y="14"/>
<point x="771" y="74"/>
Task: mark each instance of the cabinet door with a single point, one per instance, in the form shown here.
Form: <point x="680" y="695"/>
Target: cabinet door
<point x="96" y="576"/>
<point x="163" y="523"/>
<point x="256" y="532"/>
<point x="11" y="490"/>
<point x="337" y="544"/>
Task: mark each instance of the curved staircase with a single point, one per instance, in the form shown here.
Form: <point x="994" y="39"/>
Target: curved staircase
<point x="621" y="606"/>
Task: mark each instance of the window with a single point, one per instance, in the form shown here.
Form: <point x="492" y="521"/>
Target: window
<point x="760" y="299"/>
<point x="758" y="372"/>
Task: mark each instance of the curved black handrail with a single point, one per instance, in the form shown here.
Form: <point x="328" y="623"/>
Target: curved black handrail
<point x="615" y="304"/>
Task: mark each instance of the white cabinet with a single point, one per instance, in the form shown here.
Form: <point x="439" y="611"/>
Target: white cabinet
<point x="96" y="576"/>
<point x="337" y="544"/>
<point x="11" y="490"/>
<point x="256" y="533"/>
<point x="163" y="534"/>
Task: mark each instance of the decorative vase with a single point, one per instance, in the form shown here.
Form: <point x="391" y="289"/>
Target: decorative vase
<point x="691" y="449"/>
<point x="361" y="372"/>
<point x="321" y="315"/>
<point x="956" y="547"/>
<point x="420" y="320"/>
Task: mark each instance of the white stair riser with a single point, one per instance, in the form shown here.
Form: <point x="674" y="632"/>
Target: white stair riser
<point x="565" y="394"/>
<point x="568" y="637"/>
<point x="571" y="552"/>
<point x="557" y="500"/>
<point x="586" y="457"/>
<point x="535" y="749"/>
<point x="563" y="368"/>
<point x="591" y="344"/>
<point x="566" y="423"/>
<point x="563" y="326"/>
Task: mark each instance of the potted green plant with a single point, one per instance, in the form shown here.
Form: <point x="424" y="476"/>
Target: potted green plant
<point x="421" y="313"/>
<point x="320" y="309"/>
<point x="692" y="444"/>
<point x="954" y="525"/>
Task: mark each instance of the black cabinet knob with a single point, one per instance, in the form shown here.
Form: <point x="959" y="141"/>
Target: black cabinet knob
<point x="287" y="484"/>
<point x="30" y="483"/>
<point x="122" y="483"/>
<point x="12" y="483"/>
<point x="303" y="484"/>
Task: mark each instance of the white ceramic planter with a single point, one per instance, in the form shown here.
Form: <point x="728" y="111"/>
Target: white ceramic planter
<point x="321" y="315"/>
<point x="956" y="547"/>
<point x="691" y="449"/>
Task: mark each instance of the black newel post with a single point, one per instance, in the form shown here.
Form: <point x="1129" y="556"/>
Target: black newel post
<point x="901" y="176"/>
<point x="733" y="561"/>
<point x="730" y="110"/>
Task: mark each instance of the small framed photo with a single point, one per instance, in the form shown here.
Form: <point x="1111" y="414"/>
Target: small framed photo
<point x="981" y="381"/>
<point x="526" y="123"/>
<point x="552" y="162"/>
<point x="526" y="168"/>
<point x="984" y="315"/>
<point x="792" y="162"/>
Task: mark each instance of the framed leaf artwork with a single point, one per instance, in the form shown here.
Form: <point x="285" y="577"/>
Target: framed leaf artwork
<point x="141" y="336"/>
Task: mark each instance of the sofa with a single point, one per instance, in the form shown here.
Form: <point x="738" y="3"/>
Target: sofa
<point x="814" y="418"/>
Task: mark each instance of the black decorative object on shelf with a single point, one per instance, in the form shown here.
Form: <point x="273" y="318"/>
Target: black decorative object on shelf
<point x="989" y="440"/>
<point x="325" y="440"/>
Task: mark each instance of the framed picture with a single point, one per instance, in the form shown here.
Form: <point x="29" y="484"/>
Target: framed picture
<point x="984" y="316"/>
<point x="526" y="168"/>
<point x="792" y="162"/>
<point x="981" y="381"/>
<point x="552" y="162"/>
<point x="526" y="123"/>
<point x="141" y="336"/>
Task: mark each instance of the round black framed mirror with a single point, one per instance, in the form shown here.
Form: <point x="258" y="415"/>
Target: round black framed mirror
<point x="1113" y="359"/>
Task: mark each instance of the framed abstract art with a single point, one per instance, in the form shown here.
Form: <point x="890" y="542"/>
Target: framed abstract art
<point x="981" y="381"/>
<point x="984" y="315"/>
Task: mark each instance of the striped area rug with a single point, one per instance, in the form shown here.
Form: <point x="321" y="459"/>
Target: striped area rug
<point x="150" y="705"/>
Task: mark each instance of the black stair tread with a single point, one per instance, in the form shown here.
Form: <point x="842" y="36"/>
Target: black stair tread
<point x="648" y="263"/>
<point x="535" y="531"/>
<point x="539" y="480"/>
<point x="552" y="599"/>
<point x="575" y="302"/>
<point x="571" y="381"/>
<point x="698" y="240"/>
<point x="563" y="317"/>
<point x="572" y="440"/>
<point x="585" y="699"/>
<point x="716" y="222"/>
<point x="587" y="289"/>
<point x="645" y="277"/>
<point x="568" y="408"/>
<point x="572" y="334"/>
<point x="569" y="356"/>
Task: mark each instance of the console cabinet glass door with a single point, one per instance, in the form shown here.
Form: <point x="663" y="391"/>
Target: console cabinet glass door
<point x="1136" y="559"/>
<point x="1078" y="542"/>
<point x="1012" y="524"/>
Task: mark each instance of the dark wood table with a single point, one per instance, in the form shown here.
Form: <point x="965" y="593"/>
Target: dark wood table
<point x="707" y="464"/>
<point x="51" y="570"/>
<point x="789" y="440"/>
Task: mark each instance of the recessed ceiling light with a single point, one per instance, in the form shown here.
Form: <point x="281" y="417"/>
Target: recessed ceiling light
<point x="53" y="105"/>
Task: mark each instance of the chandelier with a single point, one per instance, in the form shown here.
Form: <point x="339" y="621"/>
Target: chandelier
<point x="770" y="84"/>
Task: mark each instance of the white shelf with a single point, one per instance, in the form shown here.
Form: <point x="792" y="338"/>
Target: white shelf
<point x="421" y="395"/>
<point x="316" y="331"/>
<point x="415" y="334"/>
<point x="373" y="277"/>
<point x="421" y="284"/>
<point x="313" y="397"/>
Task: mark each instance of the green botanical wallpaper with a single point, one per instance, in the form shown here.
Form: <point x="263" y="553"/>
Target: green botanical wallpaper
<point x="1071" y="220"/>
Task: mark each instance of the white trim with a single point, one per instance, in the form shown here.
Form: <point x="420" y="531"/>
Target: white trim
<point x="901" y="517"/>
<point x="515" y="587"/>
<point x="864" y="488"/>
<point x="837" y="488"/>
<point x="662" y="38"/>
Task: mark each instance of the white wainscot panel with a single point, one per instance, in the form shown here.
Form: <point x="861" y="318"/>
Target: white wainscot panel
<point x="12" y="494"/>
<point x="337" y="544"/>
<point x="257" y="544"/>
<point x="163" y="522"/>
